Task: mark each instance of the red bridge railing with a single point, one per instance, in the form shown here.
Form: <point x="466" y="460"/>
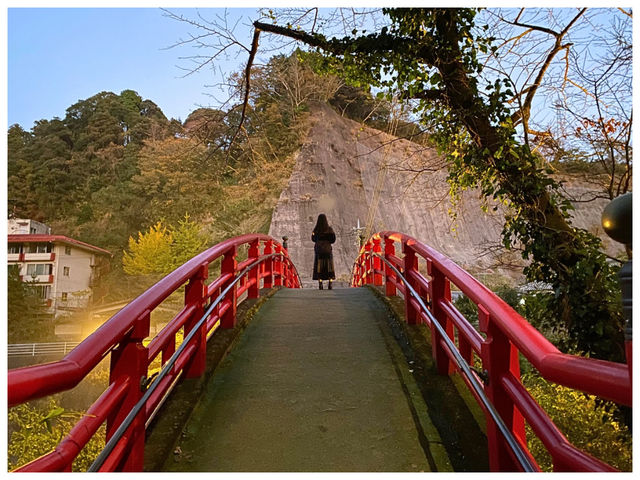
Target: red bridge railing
<point x="507" y="335"/>
<point x="122" y="337"/>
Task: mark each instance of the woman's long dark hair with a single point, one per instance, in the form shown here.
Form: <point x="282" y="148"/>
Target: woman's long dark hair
<point x="322" y="225"/>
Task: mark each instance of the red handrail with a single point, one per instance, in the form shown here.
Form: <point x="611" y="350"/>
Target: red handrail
<point x="122" y="337"/>
<point x="507" y="334"/>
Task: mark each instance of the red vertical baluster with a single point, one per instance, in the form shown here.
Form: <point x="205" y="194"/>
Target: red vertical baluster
<point x="229" y="265"/>
<point x="368" y="248"/>
<point x="410" y="266"/>
<point x="285" y="266"/>
<point x="253" y="274"/>
<point x="439" y="290"/>
<point x="499" y="358"/>
<point x="377" y="261"/>
<point x="194" y="294"/>
<point x="268" y="264"/>
<point x="277" y="265"/>
<point x="129" y="359"/>
<point x="389" y="274"/>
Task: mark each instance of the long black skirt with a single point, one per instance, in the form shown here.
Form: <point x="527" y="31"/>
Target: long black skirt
<point x="323" y="267"/>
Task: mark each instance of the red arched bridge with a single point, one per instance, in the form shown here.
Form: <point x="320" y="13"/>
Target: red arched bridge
<point x="316" y="383"/>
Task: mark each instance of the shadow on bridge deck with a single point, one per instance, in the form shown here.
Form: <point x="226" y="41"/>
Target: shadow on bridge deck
<point x="316" y="382"/>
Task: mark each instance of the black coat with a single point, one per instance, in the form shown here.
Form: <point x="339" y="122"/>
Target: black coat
<point x="323" y="243"/>
<point x="323" y="259"/>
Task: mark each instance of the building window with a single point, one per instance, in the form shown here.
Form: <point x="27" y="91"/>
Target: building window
<point x="15" y="248"/>
<point x="34" y="269"/>
<point x="67" y="250"/>
<point x="42" y="291"/>
<point x="32" y="230"/>
<point x="65" y="271"/>
<point x="40" y="248"/>
<point x="64" y="296"/>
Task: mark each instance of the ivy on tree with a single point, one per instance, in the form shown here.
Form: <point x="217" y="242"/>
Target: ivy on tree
<point x="431" y="56"/>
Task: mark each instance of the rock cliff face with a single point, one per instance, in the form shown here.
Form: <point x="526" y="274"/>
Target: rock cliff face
<point x="354" y="173"/>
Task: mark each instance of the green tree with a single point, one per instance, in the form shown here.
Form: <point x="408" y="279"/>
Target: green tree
<point x="35" y="430"/>
<point x="162" y="248"/>
<point x="188" y="241"/>
<point x="27" y="320"/>
<point x="431" y="56"/>
<point x="150" y="252"/>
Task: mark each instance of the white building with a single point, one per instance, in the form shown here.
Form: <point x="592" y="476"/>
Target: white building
<point x="19" y="226"/>
<point x="62" y="269"/>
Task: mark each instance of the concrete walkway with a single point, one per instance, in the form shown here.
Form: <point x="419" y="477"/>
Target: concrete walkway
<point x="316" y="383"/>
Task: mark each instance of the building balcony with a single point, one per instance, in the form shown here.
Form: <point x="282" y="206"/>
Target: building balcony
<point x="39" y="257"/>
<point x="37" y="278"/>
<point x="14" y="257"/>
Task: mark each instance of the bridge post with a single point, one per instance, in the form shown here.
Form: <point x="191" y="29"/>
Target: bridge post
<point x="194" y="294"/>
<point x="277" y="267"/>
<point x="229" y="265"/>
<point x="440" y="290"/>
<point x="129" y="360"/>
<point x="268" y="264"/>
<point x="285" y="265"/>
<point x="254" y="273"/>
<point x="368" y="248"/>
<point x="389" y="274"/>
<point x="499" y="359"/>
<point x="410" y="266"/>
<point x="377" y="262"/>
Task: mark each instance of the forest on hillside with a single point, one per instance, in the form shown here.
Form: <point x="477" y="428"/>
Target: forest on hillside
<point x="115" y="171"/>
<point x="115" y="165"/>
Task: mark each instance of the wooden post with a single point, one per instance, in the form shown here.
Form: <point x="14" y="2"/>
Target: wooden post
<point x="439" y="290"/>
<point x="195" y="295"/>
<point x="368" y="248"/>
<point x="268" y="264"/>
<point x="389" y="274"/>
<point x="277" y="266"/>
<point x="499" y="358"/>
<point x="254" y="273"/>
<point x="410" y="265"/>
<point x="377" y="262"/>
<point x="285" y="264"/>
<point x="129" y="360"/>
<point x="229" y="265"/>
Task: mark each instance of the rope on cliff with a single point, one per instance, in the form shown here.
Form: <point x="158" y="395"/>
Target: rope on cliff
<point x="392" y="129"/>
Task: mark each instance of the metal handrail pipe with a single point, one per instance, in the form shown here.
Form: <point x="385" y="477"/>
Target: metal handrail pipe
<point x="81" y="433"/>
<point x="552" y="438"/>
<point x="470" y="334"/>
<point x="606" y="379"/>
<point x="157" y="344"/>
<point x="38" y="381"/>
<point x="217" y="283"/>
<point x="521" y="456"/>
<point x="122" y="428"/>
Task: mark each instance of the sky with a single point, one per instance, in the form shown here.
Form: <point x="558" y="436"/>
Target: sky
<point x="58" y="56"/>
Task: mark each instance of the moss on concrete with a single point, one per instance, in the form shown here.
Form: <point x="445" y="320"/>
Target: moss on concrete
<point x="451" y="407"/>
<point x="164" y="432"/>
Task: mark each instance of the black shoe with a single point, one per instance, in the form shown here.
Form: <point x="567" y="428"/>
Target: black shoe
<point x="330" y="287"/>
<point x="320" y="286"/>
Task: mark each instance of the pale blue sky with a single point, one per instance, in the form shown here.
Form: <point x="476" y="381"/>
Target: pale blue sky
<point x="61" y="55"/>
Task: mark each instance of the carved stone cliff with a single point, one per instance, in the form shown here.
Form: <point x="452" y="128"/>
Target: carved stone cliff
<point x="354" y="173"/>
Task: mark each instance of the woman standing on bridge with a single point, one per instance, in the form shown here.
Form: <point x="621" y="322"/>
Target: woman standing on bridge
<point x="323" y="236"/>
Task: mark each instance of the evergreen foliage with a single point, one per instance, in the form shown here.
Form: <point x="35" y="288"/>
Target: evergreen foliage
<point x="35" y="429"/>
<point x="432" y="57"/>
<point x="26" y="317"/>
<point x="161" y="249"/>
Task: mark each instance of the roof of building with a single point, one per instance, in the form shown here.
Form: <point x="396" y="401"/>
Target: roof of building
<point x="32" y="238"/>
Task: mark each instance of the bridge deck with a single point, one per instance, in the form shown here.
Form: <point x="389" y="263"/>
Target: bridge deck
<point x="316" y="383"/>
